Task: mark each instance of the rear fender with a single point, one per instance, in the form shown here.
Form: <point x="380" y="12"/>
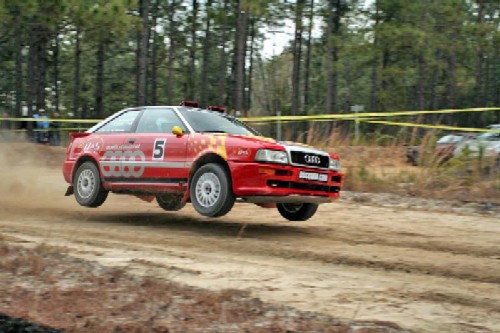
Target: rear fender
<point x="85" y="158"/>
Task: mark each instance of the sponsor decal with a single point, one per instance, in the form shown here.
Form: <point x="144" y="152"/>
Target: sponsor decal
<point x="201" y="142"/>
<point x="122" y="163"/>
<point x="124" y="147"/>
<point x="243" y="152"/>
<point x="94" y="144"/>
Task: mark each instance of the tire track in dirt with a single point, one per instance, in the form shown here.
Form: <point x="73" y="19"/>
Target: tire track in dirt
<point x="259" y="241"/>
<point x="142" y="255"/>
<point x="407" y="240"/>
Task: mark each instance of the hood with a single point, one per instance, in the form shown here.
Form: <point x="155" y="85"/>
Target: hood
<point x="270" y="143"/>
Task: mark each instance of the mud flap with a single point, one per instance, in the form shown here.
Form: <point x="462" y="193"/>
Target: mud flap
<point x="69" y="191"/>
<point x="185" y="198"/>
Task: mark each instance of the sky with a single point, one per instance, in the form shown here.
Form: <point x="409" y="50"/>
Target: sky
<point x="275" y="42"/>
<point x="277" y="38"/>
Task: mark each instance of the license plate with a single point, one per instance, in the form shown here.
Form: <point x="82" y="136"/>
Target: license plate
<point x="322" y="177"/>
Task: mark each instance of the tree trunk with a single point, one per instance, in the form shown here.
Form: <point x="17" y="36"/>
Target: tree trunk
<point x="99" y="85"/>
<point x="421" y="83"/>
<point x="434" y="102"/>
<point x="451" y="87"/>
<point x="374" y="84"/>
<point x="308" y="59"/>
<point x="153" y="91"/>
<point x="32" y="75"/>
<point x="241" y="40"/>
<point x="18" y="69"/>
<point x="171" y="52"/>
<point x="206" y="48"/>
<point x="297" y="55"/>
<point x="143" y="53"/>
<point x="478" y="89"/>
<point x="76" y="77"/>
<point x="248" y="103"/>
<point x="384" y="84"/>
<point x="496" y="81"/>
<point x="41" y="68"/>
<point x="332" y="58"/>
<point x="223" y="61"/>
<point x="191" y="75"/>
<point x="55" y="54"/>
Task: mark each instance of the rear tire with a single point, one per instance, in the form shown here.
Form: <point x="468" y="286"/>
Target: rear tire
<point x="87" y="184"/>
<point x="297" y="212"/>
<point x="211" y="191"/>
<point x="170" y="202"/>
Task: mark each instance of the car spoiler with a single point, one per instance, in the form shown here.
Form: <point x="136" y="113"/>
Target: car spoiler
<point x="75" y="135"/>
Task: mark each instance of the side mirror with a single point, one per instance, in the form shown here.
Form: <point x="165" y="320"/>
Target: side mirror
<point x="177" y="131"/>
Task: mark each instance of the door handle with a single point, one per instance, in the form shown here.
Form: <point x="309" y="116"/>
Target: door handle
<point x="131" y="140"/>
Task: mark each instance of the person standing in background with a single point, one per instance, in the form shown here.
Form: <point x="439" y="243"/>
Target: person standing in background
<point x="41" y="134"/>
<point x="54" y="133"/>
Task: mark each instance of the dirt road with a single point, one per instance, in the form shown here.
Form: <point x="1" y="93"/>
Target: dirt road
<point x="422" y="268"/>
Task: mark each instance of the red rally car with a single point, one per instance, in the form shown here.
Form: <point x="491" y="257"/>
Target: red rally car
<point x="179" y="154"/>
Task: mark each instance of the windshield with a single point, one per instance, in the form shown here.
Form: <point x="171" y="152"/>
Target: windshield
<point x="450" y="139"/>
<point x="488" y="136"/>
<point x="212" y="122"/>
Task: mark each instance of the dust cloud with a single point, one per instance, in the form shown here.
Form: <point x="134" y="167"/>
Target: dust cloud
<point x="30" y="176"/>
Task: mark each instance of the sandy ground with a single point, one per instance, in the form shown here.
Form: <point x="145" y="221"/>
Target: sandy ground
<point x="423" y="266"/>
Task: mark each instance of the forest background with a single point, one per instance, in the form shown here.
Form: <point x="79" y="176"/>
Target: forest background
<point x="89" y="59"/>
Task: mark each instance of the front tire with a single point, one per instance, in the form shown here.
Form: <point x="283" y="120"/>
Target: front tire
<point x="211" y="191"/>
<point x="87" y="184"/>
<point x="297" y="212"/>
<point x="170" y="202"/>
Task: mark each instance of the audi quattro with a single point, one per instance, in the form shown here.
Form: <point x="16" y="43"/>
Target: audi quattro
<point x="179" y="154"/>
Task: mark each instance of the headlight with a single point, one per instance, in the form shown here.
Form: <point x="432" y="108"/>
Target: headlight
<point x="271" y="156"/>
<point x="334" y="164"/>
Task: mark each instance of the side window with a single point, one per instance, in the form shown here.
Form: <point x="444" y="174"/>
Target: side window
<point x="121" y="124"/>
<point x="158" y="121"/>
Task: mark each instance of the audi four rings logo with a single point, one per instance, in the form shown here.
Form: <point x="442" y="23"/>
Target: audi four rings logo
<point x="123" y="164"/>
<point x="312" y="159"/>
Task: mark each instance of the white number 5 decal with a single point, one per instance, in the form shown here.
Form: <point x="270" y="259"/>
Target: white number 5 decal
<point x="159" y="149"/>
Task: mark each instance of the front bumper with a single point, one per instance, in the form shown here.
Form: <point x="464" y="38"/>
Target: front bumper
<point x="256" y="182"/>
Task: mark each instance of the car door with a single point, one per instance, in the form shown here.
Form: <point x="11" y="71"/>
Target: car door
<point x="164" y="153"/>
<point x="108" y="140"/>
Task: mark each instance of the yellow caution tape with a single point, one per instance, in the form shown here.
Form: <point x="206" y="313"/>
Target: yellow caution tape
<point x="358" y="117"/>
<point x="362" y="115"/>
<point x="444" y="127"/>
<point x="324" y="117"/>
<point x="55" y="120"/>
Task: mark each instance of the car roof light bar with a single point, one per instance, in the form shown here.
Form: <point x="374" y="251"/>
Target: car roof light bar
<point x="216" y="108"/>
<point x="190" y="104"/>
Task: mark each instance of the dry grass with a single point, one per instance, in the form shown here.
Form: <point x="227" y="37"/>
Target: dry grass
<point x="377" y="163"/>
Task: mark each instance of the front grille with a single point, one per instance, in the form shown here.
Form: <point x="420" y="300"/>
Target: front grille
<point x="303" y="186"/>
<point x="310" y="159"/>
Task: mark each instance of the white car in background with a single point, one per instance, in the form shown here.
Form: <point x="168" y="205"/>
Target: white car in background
<point x="486" y="144"/>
